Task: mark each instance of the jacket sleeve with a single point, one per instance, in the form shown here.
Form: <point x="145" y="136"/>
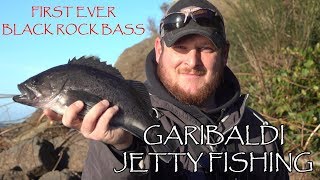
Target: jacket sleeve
<point x="102" y="159"/>
<point x="101" y="162"/>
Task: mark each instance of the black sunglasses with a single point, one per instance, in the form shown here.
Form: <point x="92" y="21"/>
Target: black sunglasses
<point x="203" y="17"/>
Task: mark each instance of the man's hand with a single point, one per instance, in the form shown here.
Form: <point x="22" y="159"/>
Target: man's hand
<point x="95" y="124"/>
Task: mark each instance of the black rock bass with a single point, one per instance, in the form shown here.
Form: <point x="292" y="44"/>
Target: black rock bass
<point x="90" y="80"/>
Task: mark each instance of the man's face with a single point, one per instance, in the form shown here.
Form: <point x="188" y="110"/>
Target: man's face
<point x="191" y="69"/>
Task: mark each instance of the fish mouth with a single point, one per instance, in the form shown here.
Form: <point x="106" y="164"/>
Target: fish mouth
<point x="27" y="95"/>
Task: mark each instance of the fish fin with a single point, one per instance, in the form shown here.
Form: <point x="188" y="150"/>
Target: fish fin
<point x="143" y="92"/>
<point x="88" y="99"/>
<point x="94" y="62"/>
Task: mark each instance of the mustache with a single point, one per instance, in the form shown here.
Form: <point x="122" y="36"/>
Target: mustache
<point x="199" y="71"/>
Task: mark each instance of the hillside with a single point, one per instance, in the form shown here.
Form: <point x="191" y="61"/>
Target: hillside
<point x="131" y="61"/>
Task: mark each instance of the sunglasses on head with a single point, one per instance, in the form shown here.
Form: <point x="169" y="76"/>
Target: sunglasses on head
<point x="203" y="17"/>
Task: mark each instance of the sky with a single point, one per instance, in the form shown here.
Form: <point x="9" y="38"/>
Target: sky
<point x="28" y="49"/>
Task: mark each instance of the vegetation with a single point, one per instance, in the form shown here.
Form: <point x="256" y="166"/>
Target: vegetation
<point x="275" y="50"/>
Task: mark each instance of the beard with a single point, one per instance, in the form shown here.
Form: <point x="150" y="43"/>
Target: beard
<point x="203" y="92"/>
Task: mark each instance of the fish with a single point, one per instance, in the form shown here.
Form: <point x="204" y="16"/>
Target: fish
<point x="90" y="80"/>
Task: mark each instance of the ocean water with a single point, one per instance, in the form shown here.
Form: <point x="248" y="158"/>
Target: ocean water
<point x="12" y="112"/>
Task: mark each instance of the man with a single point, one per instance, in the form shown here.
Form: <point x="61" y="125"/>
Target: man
<point x="189" y="84"/>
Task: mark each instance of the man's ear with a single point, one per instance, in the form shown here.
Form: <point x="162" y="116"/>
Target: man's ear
<point x="158" y="48"/>
<point x="225" y="52"/>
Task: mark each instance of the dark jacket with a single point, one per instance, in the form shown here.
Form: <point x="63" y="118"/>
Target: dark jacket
<point x="230" y="111"/>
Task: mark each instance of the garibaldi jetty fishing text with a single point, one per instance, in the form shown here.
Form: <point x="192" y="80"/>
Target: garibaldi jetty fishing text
<point x="70" y="14"/>
<point x="248" y="160"/>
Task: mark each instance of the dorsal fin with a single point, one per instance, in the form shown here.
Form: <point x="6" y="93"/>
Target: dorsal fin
<point x="94" y="62"/>
<point x="143" y="92"/>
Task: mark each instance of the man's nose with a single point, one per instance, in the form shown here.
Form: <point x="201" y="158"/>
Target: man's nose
<point x="194" y="58"/>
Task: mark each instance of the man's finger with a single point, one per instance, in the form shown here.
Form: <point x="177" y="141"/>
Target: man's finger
<point x="52" y="115"/>
<point x="103" y="123"/>
<point x="71" y="114"/>
<point x="91" y="118"/>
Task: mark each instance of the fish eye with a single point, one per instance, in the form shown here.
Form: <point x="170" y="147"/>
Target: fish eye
<point x="36" y="81"/>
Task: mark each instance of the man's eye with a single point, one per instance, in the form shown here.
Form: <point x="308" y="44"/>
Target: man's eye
<point x="208" y="49"/>
<point x="181" y="47"/>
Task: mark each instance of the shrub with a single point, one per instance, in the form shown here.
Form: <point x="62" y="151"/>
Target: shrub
<point x="275" y="52"/>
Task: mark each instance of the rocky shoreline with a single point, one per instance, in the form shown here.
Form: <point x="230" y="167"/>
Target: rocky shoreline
<point x="40" y="149"/>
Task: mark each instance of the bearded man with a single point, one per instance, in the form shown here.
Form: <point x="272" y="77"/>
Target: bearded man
<point x="189" y="85"/>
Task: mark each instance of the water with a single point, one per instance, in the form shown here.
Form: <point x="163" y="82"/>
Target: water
<point x="7" y="95"/>
<point x="11" y="112"/>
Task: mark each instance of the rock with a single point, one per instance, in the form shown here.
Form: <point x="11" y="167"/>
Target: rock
<point x="73" y="150"/>
<point x="61" y="175"/>
<point x="14" y="174"/>
<point x="35" y="156"/>
<point x="32" y="132"/>
<point x="77" y="153"/>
